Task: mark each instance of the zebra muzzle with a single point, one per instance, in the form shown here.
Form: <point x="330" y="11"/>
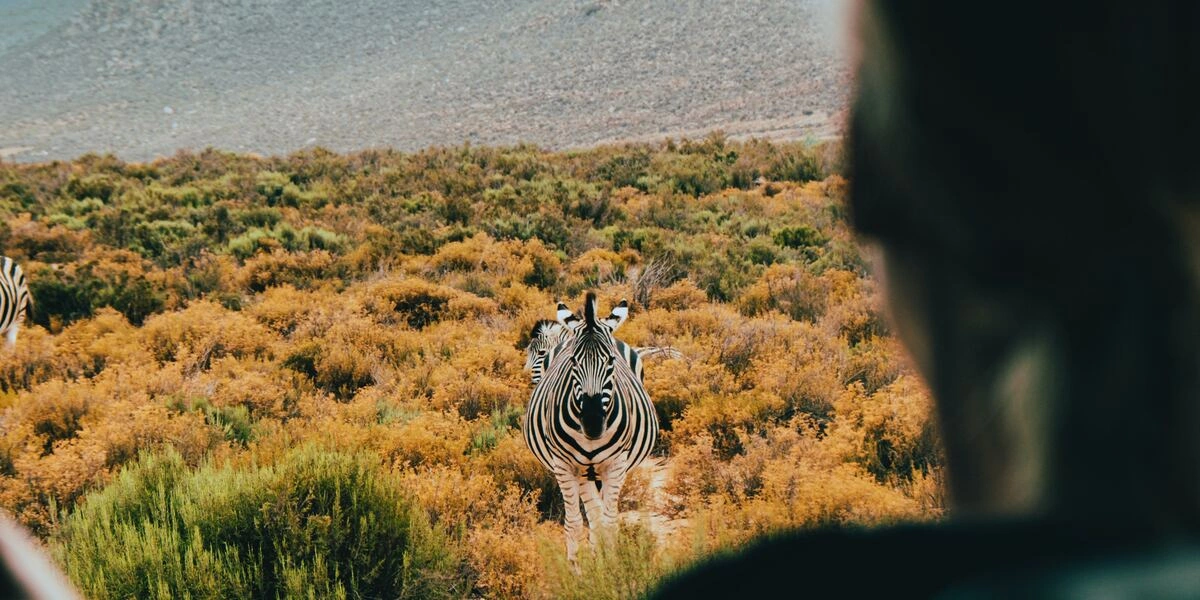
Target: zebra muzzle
<point x="591" y="416"/>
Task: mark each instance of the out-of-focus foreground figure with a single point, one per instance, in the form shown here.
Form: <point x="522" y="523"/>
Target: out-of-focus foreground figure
<point x="1029" y="171"/>
<point x="28" y="573"/>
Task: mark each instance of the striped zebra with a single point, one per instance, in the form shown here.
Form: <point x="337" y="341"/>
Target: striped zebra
<point x="590" y="420"/>
<point x="15" y="300"/>
<point x="547" y="335"/>
<point x="543" y="340"/>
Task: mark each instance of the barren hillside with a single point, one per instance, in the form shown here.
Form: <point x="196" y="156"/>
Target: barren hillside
<point x="145" y="78"/>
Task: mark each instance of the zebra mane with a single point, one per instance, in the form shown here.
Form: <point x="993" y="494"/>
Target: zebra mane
<point x="594" y="337"/>
<point x="589" y="310"/>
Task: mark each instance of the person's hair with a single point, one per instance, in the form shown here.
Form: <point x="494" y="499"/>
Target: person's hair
<point x="1030" y="171"/>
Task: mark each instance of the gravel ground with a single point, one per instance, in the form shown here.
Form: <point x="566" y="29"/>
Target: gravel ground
<point x="145" y="78"/>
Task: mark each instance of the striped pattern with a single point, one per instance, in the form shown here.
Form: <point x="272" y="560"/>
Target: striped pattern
<point x="589" y="419"/>
<point x="15" y="301"/>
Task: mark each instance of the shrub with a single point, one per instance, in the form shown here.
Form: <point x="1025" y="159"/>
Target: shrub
<point x="789" y="289"/>
<point x="317" y="524"/>
<point x="34" y="240"/>
<point x="889" y="433"/>
<point x="203" y="332"/>
<point x="58" y="299"/>
<point x="420" y="304"/>
<point x="800" y="236"/>
<point x="100" y="186"/>
<point x="690" y="174"/>
<point x="112" y="279"/>
<point x="680" y="295"/>
<point x="628" y="565"/>
<point x="298" y="269"/>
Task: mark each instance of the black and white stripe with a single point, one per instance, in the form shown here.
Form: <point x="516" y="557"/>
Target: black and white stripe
<point x="589" y="419"/>
<point x="15" y="301"/>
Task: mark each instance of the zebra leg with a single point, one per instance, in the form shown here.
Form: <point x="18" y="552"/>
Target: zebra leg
<point x="568" y="484"/>
<point x="610" y="495"/>
<point x="12" y="334"/>
<point x="595" y="510"/>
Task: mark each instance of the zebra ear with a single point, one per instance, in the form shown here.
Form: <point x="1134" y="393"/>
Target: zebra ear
<point x="619" y="314"/>
<point x="565" y="317"/>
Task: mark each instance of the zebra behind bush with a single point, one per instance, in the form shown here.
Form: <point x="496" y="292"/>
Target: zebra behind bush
<point x="589" y="420"/>
<point x="15" y="300"/>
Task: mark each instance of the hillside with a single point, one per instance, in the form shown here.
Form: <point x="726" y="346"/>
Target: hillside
<point x="143" y="79"/>
<point x="293" y="344"/>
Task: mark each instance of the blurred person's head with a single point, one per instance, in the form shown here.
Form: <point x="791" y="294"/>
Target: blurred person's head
<point x="1028" y="172"/>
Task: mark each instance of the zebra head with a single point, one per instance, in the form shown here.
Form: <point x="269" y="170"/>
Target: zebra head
<point x="591" y="366"/>
<point x="546" y="334"/>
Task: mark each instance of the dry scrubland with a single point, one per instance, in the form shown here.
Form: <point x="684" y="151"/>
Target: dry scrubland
<point x="262" y="377"/>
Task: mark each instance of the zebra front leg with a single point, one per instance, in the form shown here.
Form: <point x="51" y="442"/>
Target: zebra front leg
<point x="595" y="510"/>
<point x="12" y="334"/>
<point x="611" y="494"/>
<point x="568" y="484"/>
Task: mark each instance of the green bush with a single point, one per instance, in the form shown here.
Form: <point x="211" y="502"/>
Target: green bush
<point x="101" y="186"/>
<point x="503" y="422"/>
<point x="233" y="422"/>
<point x="626" y="565"/>
<point x="58" y="298"/>
<point x="317" y="524"/>
<point x="284" y="236"/>
<point x="691" y="174"/>
<point x="801" y="236"/>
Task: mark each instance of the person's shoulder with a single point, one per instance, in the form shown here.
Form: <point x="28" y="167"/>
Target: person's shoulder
<point x="841" y="560"/>
<point x="915" y="560"/>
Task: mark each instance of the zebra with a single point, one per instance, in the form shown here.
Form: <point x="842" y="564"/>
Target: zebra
<point x="15" y="300"/>
<point x="590" y="421"/>
<point x="547" y="334"/>
<point x="543" y="339"/>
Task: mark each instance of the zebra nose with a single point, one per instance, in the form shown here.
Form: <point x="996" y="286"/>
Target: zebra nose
<point x="592" y="416"/>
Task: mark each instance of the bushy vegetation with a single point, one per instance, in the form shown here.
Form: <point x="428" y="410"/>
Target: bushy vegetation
<point x="231" y="348"/>
<point x="317" y="522"/>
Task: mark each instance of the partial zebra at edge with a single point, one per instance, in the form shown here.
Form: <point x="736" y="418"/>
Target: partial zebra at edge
<point x="15" y="300"/>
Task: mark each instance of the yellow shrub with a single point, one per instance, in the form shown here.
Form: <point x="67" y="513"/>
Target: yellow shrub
<point x="889" y="433"/>
<point x="33" y="361"/>
<point x="595" y="266"/>
<point x="202" y="332"/>
<point x="789" y="289"/>
<point x="92" y="344"/>
<point x="278" y="267"/>
<point x="681" y="295"/>
<point x="256" y="385"/>
<point x="284" y="308"/>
